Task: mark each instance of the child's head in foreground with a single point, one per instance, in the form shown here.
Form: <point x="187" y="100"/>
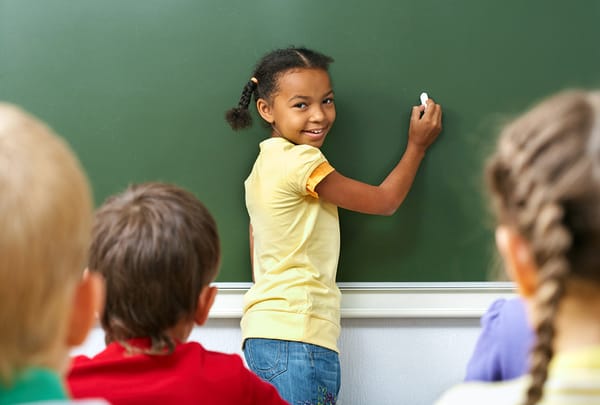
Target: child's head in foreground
<point x="545" y="182"/>
<point x="45" y="222"/>
<point x="158" y="249"/>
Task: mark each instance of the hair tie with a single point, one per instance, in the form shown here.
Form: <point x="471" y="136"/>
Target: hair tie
<point x="254" y="80"/>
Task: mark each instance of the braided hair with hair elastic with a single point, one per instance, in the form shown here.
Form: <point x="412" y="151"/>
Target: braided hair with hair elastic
<point x="263" y="83"/>
<point x="542" y="184"/>
<point x="239" y="117"/>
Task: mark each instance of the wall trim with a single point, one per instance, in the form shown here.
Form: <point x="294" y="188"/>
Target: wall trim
<point x="391" y="300"/>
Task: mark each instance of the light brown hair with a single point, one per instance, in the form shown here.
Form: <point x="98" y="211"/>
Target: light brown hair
<point x="157" y="246"/>
<point x="544" y="179"/>
<point x="45" y="222"/>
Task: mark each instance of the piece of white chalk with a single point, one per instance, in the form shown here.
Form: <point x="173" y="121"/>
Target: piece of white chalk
<point x="424" y="99"/>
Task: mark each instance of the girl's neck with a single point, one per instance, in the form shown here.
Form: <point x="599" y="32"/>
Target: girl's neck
<point x="578" y="319"/>
<point x="275" y="133"/>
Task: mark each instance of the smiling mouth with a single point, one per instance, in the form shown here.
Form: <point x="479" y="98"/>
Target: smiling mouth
<point x="314" y="132"/>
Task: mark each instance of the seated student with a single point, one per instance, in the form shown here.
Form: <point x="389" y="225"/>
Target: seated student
<point x="46" y="306"/>
<point x="503" y="346"/>
<point x="158" y="249"/>
<point x="545" y="183"/>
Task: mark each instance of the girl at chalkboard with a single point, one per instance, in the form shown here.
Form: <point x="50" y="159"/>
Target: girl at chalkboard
<point x="291" y="317"/>
<point x="544" y="179"/>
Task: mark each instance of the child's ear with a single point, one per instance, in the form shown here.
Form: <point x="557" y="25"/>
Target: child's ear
<point x="264" y="109"/>
<point x="518" y="260"/>
<point x="205" y="302"/>
<point x="88" y="301"/>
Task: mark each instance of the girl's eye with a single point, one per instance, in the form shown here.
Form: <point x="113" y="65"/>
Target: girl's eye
<point x="328" y="100"/>
<point x="301" y="105"/>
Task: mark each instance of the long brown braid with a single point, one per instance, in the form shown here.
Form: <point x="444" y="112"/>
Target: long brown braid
<point x="544" y="184"/>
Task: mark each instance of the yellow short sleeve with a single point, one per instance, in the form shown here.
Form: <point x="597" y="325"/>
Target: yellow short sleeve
<point x="316" y="176"/>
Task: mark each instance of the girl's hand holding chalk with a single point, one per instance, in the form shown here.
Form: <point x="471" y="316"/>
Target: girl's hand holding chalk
<point x="425" y="126"/>
<point x="424" y="98"/>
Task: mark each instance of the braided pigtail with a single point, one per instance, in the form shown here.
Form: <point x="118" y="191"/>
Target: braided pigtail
<point x="239" y="117"/>
<point x="551" y="286"/>
<point x="268" y="70"/>
<point x="542" y="185"/>
<point x="540" y="220"/>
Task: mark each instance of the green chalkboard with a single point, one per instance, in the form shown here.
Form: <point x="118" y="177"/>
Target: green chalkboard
<point x="139" y="89"/>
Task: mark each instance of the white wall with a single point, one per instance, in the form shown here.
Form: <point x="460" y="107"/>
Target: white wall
<point x="400" y="344"/>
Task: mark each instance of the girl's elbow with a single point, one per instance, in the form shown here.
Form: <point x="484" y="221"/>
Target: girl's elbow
<point x="389" y="203"/>
<point x="389" y="212"/>
<point x="381" y="203"/>
<point x="389" y="209"/>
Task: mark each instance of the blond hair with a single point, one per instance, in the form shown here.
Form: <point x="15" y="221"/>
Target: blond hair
<point x="545" y="183"/>
<point x="45" y="222"/>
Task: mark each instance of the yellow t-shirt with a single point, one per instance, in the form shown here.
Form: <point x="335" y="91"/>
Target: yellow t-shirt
<point x="573" y="378"/>
<point x="296" y="248"/>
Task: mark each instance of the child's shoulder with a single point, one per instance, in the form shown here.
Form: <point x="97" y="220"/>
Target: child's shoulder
<point x="226" y="361"/>
<point x="283" y="153"/>
<point x="282" y="144"/>
<point x="497" y="393"/>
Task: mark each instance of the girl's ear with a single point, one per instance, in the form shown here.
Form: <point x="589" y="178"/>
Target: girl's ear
<point x="205" y="302"/>
<point x="264" y="109"/>
<point x="518" y="260"/>
<point x="88" y="301"/>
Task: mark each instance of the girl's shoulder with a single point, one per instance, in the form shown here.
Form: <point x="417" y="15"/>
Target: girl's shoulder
<point x="490" y="393"/>
<point x="287" y="162"/>
<point x="283" y="146"/>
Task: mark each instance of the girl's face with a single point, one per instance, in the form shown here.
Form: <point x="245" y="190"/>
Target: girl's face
<point x="302" y="109"/>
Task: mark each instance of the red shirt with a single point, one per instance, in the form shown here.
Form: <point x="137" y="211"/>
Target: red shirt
<point x="191" y="375"/>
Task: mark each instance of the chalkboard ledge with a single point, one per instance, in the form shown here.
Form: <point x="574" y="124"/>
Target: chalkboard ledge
<point x="391" y="300"/>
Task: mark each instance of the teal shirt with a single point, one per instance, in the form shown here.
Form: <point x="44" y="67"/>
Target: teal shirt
<point x="35" y="384"/>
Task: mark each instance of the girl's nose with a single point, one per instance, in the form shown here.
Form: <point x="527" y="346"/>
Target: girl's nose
<point x="317" y="114"/>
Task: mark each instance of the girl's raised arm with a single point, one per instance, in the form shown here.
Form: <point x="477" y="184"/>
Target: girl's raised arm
<point x="388" y="196"/>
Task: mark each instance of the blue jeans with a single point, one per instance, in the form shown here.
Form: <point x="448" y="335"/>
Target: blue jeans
<point x="304" y="374"/>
